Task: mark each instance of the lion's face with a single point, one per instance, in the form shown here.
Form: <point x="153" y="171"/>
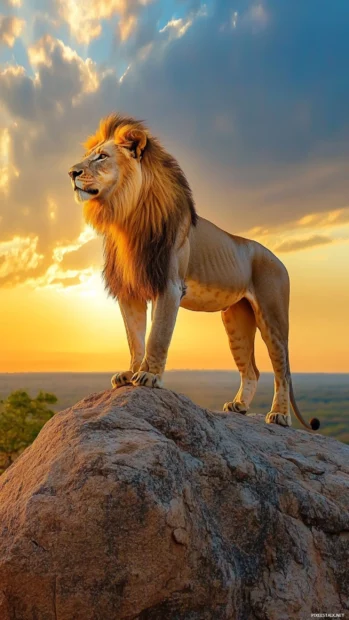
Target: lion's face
<point x="97" y="174"/>
<point x="109" y="177"/>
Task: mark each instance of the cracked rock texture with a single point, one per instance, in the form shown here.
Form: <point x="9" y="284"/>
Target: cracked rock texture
<point x="137" y="504"/>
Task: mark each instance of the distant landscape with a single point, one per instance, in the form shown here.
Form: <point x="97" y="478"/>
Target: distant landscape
<point x="325" y="396"/>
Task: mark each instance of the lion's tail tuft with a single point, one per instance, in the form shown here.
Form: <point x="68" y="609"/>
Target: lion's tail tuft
<point x="315" y="424"/>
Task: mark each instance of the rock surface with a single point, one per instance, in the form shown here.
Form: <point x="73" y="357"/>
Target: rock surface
<point x="137" y="504"/>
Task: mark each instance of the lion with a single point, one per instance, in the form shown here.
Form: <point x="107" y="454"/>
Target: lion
<point x="157" y="249"/>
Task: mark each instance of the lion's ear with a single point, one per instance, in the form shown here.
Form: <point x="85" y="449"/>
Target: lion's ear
<point x="133" y="139"/>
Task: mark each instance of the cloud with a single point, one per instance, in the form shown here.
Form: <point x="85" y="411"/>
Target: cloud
<point x="51" y="54"/>
<point x="17" y="92"/>
<point x="84" y="17"/>
<point x="127" y="26"/>
<point x="330" y="219"/>
<point x="12" y="3"/>
<point x="312" y="230"/>
<point x="4" y="157"/>
<point x="51" y="114"/>
<point x="17" y="257"/>
<point x="256" y="16"/>
<point x="295" y="245"/>
<point x="262" y="143"/>
<point x="67" y="281"/>
<point x="283" y="153"/>
<point x="87" y="255"/>
<point x="7" y="170"/>
<point x="10" y="28"/>
<point x="178" y="27"/>
<point x="58" y="279"/>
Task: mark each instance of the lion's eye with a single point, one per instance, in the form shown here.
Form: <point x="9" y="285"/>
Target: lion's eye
<point x="101" y="156"/>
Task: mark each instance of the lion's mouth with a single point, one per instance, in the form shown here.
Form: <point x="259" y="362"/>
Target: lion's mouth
<point x="93" y="192"/>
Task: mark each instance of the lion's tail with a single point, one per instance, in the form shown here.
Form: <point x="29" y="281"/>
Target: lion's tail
<point x="314" y="423"/>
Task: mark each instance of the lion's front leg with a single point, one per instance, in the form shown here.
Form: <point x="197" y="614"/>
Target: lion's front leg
<point x="134" y="313"/>
<point x="164" y="319"/>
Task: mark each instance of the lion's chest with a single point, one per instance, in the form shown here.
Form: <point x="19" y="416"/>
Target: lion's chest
<point x="208" y="297"/>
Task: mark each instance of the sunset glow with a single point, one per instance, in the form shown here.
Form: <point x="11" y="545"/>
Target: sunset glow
<point x="265" y="160"/>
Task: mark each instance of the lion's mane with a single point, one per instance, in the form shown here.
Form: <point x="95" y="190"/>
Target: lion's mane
<point x="138" y="242"/>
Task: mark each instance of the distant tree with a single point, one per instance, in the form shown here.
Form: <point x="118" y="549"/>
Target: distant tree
<point x="21" y="419"/>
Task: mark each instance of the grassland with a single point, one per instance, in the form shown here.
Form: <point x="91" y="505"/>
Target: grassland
<point x="325" y="396"/>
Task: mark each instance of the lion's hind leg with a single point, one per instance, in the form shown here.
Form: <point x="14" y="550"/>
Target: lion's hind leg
<point x="270" y="304"/>
<point x="240" y="326"/>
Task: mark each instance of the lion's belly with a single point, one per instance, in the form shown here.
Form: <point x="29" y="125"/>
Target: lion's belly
<point x="208" y="298"/>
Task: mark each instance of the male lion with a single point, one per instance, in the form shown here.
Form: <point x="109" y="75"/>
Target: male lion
<point x="158" y="249"/>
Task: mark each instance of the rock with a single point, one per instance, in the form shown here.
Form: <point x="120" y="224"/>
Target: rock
<point x="137" y="504"/>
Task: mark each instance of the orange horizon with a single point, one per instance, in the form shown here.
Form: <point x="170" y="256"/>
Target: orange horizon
<point x="79" y="329"/>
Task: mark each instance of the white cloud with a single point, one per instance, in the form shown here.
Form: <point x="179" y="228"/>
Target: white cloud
<point x="124" y="73"/>
<point x="177" y="28"/>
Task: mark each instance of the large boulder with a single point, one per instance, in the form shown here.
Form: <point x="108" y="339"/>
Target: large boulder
<point x="137" y="504"/>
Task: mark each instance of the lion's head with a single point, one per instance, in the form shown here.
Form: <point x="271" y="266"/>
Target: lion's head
<point x="110" y="173"/>
<point x="135" y="193"/>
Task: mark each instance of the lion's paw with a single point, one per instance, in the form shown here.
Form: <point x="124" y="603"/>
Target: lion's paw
<point x="236" y="406"/>
<point x="122" y="378"/>
<point x="278" y="418"/>
<point x="147" y="379"/>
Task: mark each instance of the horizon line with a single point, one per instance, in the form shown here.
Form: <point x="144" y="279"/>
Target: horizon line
<point x="104" y="372"/>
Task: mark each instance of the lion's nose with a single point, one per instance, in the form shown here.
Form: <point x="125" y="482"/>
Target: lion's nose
<point x="73" y="173"/>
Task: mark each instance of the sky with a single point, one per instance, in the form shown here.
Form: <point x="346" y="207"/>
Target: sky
<point x="251" y="97"/>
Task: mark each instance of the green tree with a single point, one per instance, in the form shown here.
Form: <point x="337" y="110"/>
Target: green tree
<point x="21" y="419"/>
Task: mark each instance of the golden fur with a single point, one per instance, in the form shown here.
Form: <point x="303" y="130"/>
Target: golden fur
<point x="138" y="240"/>
<point x="157" y="248"/>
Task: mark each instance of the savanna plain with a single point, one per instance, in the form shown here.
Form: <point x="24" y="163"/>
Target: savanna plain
<point x="321" y="395"/>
